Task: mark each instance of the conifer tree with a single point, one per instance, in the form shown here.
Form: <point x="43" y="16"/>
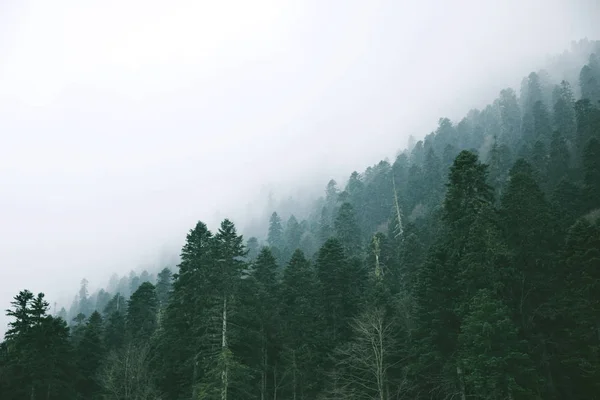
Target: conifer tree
<point x="302" y="329"/>
<point x="591" y="168"/>
<point x="262" y="316"/>
<point x="39" y="357"/>
<point x="275" y="235"/>
<point x="163" y="287"/>
<point x="347" y="230"/>
<point x="90" y="353"/>
<point x="180" y="345"/>
<point x="142" y="309"/>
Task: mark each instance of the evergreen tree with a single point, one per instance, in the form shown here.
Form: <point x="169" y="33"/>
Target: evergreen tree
<point x="263" y="316"/>
<point x="493" y="360"/>
<point x="102" y="300"/>
<point x="85" y="307"/>
<point x="39" y="357"/>
<point x="438" y="295"/>
<point x="347" y="230"/>
<point x="225" y="375"/>
<point x="180" y="345"/>
<point x="558" y="161"/>
<point x="293" y="235"/>
<point x="253" y="248"/>
<point x="275" y="235"/>
<point x="302" y="329"/>
<point x="432" y="173"/>
<point x="134" y="282"/>
<point x="578" y="352"/>
<point x="142" y="308"/>
<point x="591" y="168"/>
<point x="62" y="314"/>
<point x="511" y="117"/>
<point x="467" y="191"/>
<point x="564" y="111"/>
<point x="163" y="287"/>
<point x="90" y="353"/>
<point x="341" y="282"/>
<point x="114" y="315"/>
<point x="590" y="82"/>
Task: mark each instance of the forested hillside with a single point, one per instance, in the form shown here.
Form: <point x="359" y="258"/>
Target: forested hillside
<point x="468" y="268"/>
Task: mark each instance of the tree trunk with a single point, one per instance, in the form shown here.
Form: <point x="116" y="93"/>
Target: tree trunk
<point x="275" y="382"/>
<point x="463" y="395"/>
<point x="263" y="374"/>
<point x="379" y="358"/>
<point x="295" y="382"/>
<point x="195" y="378"/>
<point x="224" y="377"/>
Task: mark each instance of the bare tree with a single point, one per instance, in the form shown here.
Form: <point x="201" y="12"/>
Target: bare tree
<point x="363" y="364"/>
<point x="125" y="375"/>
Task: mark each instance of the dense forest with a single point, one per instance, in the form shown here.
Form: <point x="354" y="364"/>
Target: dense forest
<point x="467" y="268"/>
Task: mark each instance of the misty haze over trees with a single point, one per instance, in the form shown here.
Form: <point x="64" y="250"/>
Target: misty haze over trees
<point x="469" y="267"/>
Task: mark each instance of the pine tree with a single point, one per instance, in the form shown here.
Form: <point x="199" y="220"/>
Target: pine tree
<point x="181" y="346"/>
<point x="467" y="191"/>
<point x="292" y="236"/>
<point x="134" y="282"/>
<point x="114" y="316"/>
<point x="90" y="353"/>
<point x="558" y="161"/>
<point x="275" y="235"/>
<point x="302" y="329"/>
<point x="438" y="295"/>
<point x="253" y="248"/>
<point x="85" y="307"/>
<point x="39" y="358"/>
<point x="493" y="360"/>
<point x="542" y="124"/>
<point x="564" y="111"/>
<point x="531" y="232"/>
<point x="432" y="173"/>
<point x="262" y="314"/>
<point x="589" y="81"/>
<point x="511" y="117"/>
<point x="341" y="282"/>
<point x="347" y="230"/>
<point x="102" y="300"/>
<point x="163" y="287"/>
<point x="591" y="167"/>
<point x="225" y="376"/>
<point x="578" y="352"/>
<point x="142" y="310"/>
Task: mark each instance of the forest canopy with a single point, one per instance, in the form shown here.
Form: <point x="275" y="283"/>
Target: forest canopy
<point x="469" y="267"/>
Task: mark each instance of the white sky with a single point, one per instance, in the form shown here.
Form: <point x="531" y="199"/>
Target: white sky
<point x="124" y="122"/>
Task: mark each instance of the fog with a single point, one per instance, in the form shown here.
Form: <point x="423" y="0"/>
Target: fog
<point x="122" y="123"/>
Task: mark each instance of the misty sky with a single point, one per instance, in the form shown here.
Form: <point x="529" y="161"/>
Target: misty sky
<point x="124" y="122"/>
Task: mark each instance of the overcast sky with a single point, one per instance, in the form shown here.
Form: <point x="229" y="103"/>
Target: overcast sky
<point x="123" y="122"/>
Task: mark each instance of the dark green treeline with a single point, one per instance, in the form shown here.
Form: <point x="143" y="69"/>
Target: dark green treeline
<point x="468" y="268"/>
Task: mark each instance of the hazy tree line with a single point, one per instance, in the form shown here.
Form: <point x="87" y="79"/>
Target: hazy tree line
<point x="468" y="268"/>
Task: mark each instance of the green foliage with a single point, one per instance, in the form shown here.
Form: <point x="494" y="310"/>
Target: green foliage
<point x="141" y="313"/>
<point x="435" y="277"/>
<point x="347" y="230"/>
<point x="90" y="353"/>
<point x="493" y="360"/>
<point x="163" y="287"/>
<point x="275" y="237"/>
<point x="591" y="167"/>
<point x="37" y="359"/>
